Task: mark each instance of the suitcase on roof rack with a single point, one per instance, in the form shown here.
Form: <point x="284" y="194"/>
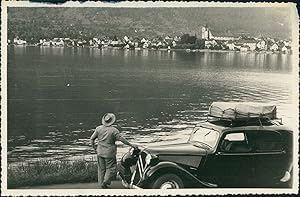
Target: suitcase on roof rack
<point x="241" y="110"/>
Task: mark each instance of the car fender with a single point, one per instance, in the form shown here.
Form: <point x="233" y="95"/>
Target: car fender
<point x="167" y="164"/>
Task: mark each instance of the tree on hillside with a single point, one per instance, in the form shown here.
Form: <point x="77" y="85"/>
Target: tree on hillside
<point x="187" y="39"/>
<point x="200" y="44"/>
<point x="115" y="38"/>
<point x="184" y="39"/>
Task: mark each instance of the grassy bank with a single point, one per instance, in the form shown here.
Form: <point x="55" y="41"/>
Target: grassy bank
<point x="45" y="172"/>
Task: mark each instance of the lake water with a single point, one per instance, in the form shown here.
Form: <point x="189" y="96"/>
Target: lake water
<point x="57" y="96"/>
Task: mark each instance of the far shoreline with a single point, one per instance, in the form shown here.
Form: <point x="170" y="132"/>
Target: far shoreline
<point x="159" y="49"/>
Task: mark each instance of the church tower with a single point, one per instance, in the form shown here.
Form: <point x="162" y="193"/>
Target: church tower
<point x="203" y="30"/>
<point x="205" y="33"/>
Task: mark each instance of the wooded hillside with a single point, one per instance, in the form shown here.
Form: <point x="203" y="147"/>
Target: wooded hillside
<point x="39" y="23"/>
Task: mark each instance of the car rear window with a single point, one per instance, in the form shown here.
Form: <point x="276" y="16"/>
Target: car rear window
<point x="265" y="141"/>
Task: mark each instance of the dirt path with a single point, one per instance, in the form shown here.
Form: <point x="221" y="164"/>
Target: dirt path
<point x="114" y="185"/>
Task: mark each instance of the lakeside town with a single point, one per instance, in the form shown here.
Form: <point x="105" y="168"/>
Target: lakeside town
<point x="204" y="40"/>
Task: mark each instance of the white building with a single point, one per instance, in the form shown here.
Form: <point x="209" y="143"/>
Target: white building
<point x="244" y="48"/>
<point x="173" y="43"/>
<point x="57" y="42"/>
<point x="262" y="45"/>
<point x="143" y="40"/>
<point x="210" y="43"/>
<point x="274" y="47"/>
<point x="116" y="43"/>
<point x="231" y="45"/>
<point x="284" y="49"/>
<point x="46" y="43"/>
<point x="96" y="40"/>
<point x="251" y="44"/>
<point x="145" y="45"/>
<point x="18" y="41"/>
<point x="126" y="39"/>
<point x="287" y="43"/>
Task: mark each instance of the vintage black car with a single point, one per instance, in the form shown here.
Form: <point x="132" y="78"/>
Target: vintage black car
<point x="252" y="152"/>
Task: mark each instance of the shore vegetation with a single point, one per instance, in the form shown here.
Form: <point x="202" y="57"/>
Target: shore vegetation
<point x="45" y="172"/>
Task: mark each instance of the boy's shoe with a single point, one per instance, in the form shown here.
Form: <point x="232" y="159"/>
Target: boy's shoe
<point x="104" y="186"/>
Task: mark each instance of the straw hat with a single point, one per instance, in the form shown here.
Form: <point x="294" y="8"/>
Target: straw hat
<point x="108" y="119"/>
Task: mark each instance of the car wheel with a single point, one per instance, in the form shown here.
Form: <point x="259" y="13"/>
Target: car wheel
<point x="168" y="181"/>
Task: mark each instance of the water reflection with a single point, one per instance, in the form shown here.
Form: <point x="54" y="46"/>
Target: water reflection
<point x="56" y="96"/>
<point x="144" y="53"/>
<point x="45" y="50"/>
<point x="283" y="61"/>
<point x="19" y="49"/>
<point x="58" y="51"/>
<point x="246" y="60"/>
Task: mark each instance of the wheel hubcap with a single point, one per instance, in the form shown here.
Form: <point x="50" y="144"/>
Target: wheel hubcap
<point x="169" y="185"/>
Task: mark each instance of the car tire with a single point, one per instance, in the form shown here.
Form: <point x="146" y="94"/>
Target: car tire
<point x="168" y="181"/>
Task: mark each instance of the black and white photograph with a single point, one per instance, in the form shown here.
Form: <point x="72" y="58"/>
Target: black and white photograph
<point x="106" y="98"/>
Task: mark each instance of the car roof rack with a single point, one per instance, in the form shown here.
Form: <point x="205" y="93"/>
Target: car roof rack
<point x="247" y="121"/>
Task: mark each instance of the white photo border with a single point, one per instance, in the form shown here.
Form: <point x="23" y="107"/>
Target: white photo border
<point x="202" y="191"/>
